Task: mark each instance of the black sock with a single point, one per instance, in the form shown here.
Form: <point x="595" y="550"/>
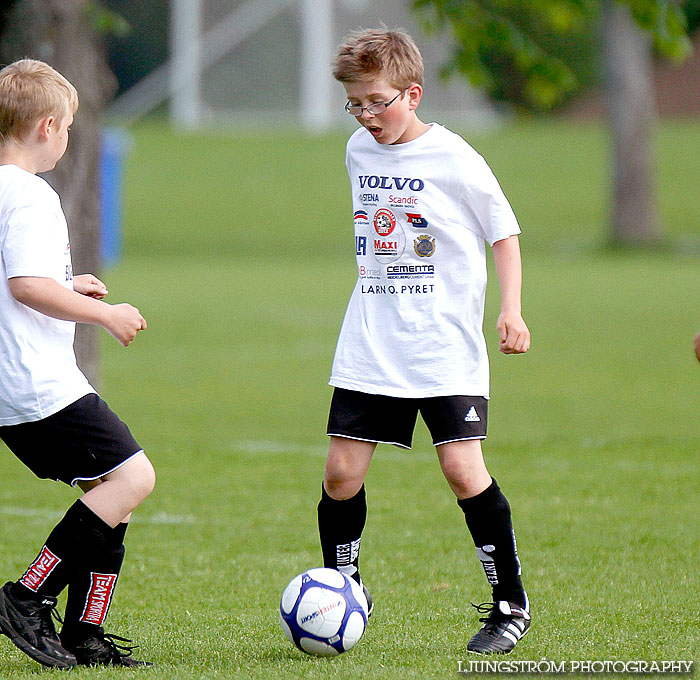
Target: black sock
<point x="119" y="532"/>
<point x="489" y="521"/>
<point x="70" y="539"/>
<point x="91" y="587"/>
<point x="340" y="525"/>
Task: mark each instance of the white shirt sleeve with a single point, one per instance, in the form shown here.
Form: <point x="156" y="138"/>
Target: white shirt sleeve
<point x="484" y="198"/>
<point x="29" y="247"/>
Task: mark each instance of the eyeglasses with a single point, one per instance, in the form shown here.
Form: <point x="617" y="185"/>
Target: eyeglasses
<point x="375" y="109"/>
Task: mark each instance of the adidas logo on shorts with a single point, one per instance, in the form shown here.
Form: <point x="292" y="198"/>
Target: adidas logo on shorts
<point x="472" y="416"/>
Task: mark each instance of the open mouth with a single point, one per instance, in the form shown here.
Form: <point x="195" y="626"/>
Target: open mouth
<point x="374" y="129"/>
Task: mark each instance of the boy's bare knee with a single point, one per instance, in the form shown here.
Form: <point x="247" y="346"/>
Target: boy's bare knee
<point x="138" y="475"/>
<point x="148" y="483"/>
<point x="342" y="488"/>
<point x="145" y="479"/>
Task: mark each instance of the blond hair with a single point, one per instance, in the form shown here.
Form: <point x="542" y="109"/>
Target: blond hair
<point x="29" y="91"/>
<point x="371" y="54"/>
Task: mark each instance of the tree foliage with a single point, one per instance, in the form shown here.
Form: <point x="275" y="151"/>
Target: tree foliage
<point x="537" y="53"/>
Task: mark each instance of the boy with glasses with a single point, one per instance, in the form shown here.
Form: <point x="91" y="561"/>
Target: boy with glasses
<point x="424" y="204"/>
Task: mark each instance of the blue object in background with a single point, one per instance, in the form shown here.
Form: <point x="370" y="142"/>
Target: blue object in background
<point x="116" y="142"/>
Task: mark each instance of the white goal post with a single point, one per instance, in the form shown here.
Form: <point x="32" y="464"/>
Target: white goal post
<point x="268" y="62"/>
<point x="192" y="52"/>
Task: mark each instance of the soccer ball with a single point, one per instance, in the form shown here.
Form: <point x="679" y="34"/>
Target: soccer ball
<point x="323" y="612"/>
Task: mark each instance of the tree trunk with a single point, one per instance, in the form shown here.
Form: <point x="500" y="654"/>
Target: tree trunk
<point x="632" y="112"/>
<point x="60" y="33"/>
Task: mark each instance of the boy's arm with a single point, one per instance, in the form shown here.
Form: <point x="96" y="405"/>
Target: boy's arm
<point x="51" y="298"/>
<point x="514" y="333"/>
<point x="697" y="346"/>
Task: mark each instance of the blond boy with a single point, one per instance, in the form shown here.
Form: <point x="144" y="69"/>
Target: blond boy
<point x="424" y="205"/>
<point x="50" y="416"/>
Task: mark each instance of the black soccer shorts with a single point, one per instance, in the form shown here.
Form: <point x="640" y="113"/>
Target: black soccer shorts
<point x="82" y="442"/>
<point x="392" y="420"/>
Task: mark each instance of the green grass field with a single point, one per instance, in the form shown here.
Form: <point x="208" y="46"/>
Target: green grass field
<point x="238" y="250"/>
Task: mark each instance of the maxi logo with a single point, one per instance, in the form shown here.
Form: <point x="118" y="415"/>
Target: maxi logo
<point x="390" y="240"/>
<point x="385" y="182"/>
<point x="385" y="247"/>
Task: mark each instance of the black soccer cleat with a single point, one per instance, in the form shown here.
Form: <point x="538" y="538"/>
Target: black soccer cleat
<point x="370" y="604"/>
<point x="355" y="575"/>
<point x="100" y="649"/>
<point x="28" y="623"/>
<point x="504" y="626"/>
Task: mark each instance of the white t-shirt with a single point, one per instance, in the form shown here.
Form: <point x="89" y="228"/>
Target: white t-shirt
<point x="38" y="372"/>
<point x="423" y="211"/>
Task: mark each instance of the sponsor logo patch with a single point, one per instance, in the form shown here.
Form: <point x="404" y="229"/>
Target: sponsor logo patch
<point x="40" y="569"/>
<point x="485" y="553"/>
<point x="378" y="289"/>
<point x="410" y="271"/>
<point x="403" y="201"/>
<point x="99" y="598"/>
<point x="360" y="215"/>
<point x="388" y="250"/>
<point x="384" y="222"/>
<point x="389" y="244"/>
<point x="424" y="245"/>
<point x="368" y="273"/>
<point x="384" y="182"/>
<point x="417" y="220"/>
<point x="347" y="553"/>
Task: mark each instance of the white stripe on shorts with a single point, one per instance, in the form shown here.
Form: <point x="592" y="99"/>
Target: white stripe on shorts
<point x="104" y="474"/>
